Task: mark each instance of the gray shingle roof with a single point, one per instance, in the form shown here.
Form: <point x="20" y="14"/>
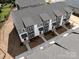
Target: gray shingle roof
<point x="61" y="9"/>
<point x="18" y="23"/>
<point x="27" y="3"/>
<point x="28" y="13"/>
<point x="29" y="21"/>
<point x="64" y="6"/>
<point x="31" y="16"/>
<point x="34" y="14"/>
<point x="68" y="9"/>
<point x="44" y="9"/>
<point x="58" y="8"/>
<point x="73" y="3"/>
<point x="45" y="16"/>
<point x="48" y="53"/>
<point x="70" y="42"/>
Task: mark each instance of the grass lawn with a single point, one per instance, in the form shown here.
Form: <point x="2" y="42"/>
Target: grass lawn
<point x="5" y="12"/>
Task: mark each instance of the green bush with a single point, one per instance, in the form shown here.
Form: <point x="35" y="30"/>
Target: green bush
<point x="5" y="12"/>
<point x="2" y="18"/>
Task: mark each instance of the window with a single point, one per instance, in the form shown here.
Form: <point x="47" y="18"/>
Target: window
<point x="54" y="24"/>
<point x="41" y="29"/>
<point x="24" y="35"/>
<point x="65" y="19"/>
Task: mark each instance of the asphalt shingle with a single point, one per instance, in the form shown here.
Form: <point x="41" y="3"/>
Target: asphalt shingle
<point x="70" y="42"/>
<point x="27" y="3"/>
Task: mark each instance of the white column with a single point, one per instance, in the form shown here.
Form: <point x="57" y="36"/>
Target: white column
<point x="61" y="22"/>
<point x="50" y="25"/>
<point x="36" y="30"/>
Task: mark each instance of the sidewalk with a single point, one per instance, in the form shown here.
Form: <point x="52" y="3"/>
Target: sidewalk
<point x="4" y="35"/>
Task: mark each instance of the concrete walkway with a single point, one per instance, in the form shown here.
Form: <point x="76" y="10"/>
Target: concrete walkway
<point x="4" y="35"/>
